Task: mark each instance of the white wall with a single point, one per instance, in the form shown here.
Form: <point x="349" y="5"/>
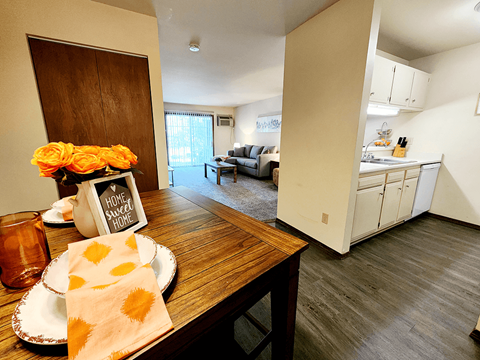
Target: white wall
<point x="328" y="70"/>
<point x="22" y="128"/>
<point x="246" y="119"/>
<point x="448" y="125"/>
<point x="223" y="135"/>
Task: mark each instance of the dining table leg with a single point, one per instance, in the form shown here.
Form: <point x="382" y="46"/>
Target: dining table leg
<point x="284" y="308"/>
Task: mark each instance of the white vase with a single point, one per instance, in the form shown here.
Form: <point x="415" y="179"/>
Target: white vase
<point x="82" y="215"/>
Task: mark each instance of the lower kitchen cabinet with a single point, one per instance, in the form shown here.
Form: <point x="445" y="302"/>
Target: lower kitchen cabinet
<point x="367" y="211"/>
<point x="408" y="195"/>
<point x="382" y="201"/>
<point x="391" y="202"/>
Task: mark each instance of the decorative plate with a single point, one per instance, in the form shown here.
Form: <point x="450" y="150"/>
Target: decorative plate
<point x="164" y="266"/>
<point x="55" y="275"/>
<point x="52" y="216"/>
<point x="41" y="317"/>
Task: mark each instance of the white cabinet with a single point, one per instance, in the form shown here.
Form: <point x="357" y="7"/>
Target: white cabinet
<point x="383" y="200"/>
<point x="419" y="89"/>
<point x="391" y="202"/>
<point x="402" y="85"/>
<point x="398" y="85"/>
<point x="382" y="80"/>
<point x="408" y="195"/>
<point x="367" y="211"/>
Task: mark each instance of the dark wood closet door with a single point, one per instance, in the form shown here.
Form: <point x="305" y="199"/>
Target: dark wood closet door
<point x="67" y="80"/>
<point x="94" y="97"/>
<point x="125" y="89"/>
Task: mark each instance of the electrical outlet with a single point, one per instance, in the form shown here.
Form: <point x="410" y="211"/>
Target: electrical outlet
<point x="324" y="218"/>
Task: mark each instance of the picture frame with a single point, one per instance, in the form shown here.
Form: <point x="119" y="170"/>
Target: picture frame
<point x="115" y="203"/>
<point x="477" y="109"/>
<point x="269" y="123"/>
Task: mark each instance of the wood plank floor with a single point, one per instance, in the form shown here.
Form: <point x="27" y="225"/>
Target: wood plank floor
<point x="410" y="293"/>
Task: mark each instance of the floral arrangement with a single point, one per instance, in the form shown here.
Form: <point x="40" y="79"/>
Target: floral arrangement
<point x="69" y="164"/>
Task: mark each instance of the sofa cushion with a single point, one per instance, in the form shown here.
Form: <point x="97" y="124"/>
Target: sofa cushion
<point x="269" y="150"/>
<point x="248" y="149"/>
<point x="251" y="163"/>
<point x="256" y="150"/>
<point x="239" y="152"/>
<point x="231" y="160"/>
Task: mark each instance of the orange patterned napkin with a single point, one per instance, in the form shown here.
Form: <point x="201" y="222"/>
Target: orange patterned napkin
<point x="67" y="209"/>
<point x="114" y="304"/>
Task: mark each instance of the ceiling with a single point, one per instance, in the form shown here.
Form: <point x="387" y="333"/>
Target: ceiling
<point x="242" y="43"/>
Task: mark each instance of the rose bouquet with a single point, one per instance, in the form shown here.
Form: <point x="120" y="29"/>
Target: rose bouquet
<point x="68" y="164"/>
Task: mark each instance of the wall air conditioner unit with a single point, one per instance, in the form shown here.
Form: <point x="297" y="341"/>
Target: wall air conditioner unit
<point x="225" y="120"/>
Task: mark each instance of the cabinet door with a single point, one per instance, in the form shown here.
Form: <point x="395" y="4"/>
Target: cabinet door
<point x="367" y="211"/>
<point x="408" y="195"/>
<point x="419" y="89"/>
<point x="391" y="202"/>
<point x="382" y="80"/>
<point x="402" y="85"/>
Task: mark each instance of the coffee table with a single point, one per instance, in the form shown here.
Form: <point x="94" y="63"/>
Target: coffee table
<point x="219" y="167"/>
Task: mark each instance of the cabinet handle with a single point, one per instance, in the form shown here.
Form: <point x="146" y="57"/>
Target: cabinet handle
<point x="413" y="100"/>
<point x="372" y="93"/>
<point x="381" y="194"/>
<point x="400" y="189"/>
<point x="407" y="185"/>
<point x="406" y="99"/>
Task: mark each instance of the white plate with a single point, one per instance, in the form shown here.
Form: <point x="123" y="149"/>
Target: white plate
<point x="52" y="216"/>
<point x="41" y="317"/>
<point x="164" y="266"/>
<point x="57" y="205"/>
<point x="55" y="275"/>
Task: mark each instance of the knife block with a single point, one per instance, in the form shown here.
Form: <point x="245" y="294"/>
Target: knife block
<point x="399" y="151"/>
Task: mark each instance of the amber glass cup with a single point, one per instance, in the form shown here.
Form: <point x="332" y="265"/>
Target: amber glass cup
<point x="24" y="251"/>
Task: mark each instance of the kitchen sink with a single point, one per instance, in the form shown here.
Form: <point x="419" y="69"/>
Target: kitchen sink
<point x="387" y="161"/>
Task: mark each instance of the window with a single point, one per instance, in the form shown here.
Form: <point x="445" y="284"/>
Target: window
<point x="189" y="138"/>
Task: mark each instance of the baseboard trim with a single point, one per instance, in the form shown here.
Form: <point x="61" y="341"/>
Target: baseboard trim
<point x="475" y="335"/>
<point x="314" y="242"/>
<point x="455" y="221"/>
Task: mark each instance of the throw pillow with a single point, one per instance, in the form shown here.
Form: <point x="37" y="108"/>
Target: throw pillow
<point x="269" y="150"/>
<point x="239" y="152"/>
<point x="248" y="149"/>
<point x="256" y="150"/>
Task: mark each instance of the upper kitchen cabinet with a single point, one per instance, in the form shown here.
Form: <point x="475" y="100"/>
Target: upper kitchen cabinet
<point x="419" y="89"/>
<point x="382" y="80"/>
<point x="398" y="85"/>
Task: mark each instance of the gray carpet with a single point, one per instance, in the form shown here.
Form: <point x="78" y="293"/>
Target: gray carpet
<point x="251" y="196"/>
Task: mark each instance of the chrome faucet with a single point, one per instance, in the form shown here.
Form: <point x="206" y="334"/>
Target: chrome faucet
<point x="364" y="156"/>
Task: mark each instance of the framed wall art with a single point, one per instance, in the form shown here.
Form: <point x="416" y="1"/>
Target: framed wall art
<point x="270" y="123"/>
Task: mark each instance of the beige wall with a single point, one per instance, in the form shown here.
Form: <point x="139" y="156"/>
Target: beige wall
<point x="22" y="128"/>
<point x="448" y="125"/>
<point x="246" y="122"/>
<point x="223" y="135"/>
<point x="328" y="70"/>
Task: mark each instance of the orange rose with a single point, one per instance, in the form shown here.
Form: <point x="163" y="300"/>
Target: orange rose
<point x="85" y="163"/>
<point x="115" y="159"/>
<point x="51" y="157"/>
<point x="127" y="153"/>
<point x="90" y="149"/>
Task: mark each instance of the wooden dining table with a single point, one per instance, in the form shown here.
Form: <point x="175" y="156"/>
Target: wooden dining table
<point x="226" y="262"/>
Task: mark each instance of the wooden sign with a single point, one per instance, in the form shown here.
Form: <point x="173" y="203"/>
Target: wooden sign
<point x="115" y="203"/>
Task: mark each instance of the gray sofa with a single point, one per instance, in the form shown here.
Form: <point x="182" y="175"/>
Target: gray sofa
<point x="253" y="160"/>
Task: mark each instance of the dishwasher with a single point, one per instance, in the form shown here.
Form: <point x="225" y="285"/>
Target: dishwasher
<point x="425" y="188"/>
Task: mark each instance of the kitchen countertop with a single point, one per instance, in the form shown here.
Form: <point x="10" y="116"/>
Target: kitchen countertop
<point x="419" y="158"/>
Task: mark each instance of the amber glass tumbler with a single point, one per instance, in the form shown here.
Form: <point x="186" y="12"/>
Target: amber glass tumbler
<point x="24" y="251"/>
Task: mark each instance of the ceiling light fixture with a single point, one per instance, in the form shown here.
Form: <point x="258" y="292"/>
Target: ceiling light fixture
<point x="477" y="7"/>
<point x="194" y="47"/>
